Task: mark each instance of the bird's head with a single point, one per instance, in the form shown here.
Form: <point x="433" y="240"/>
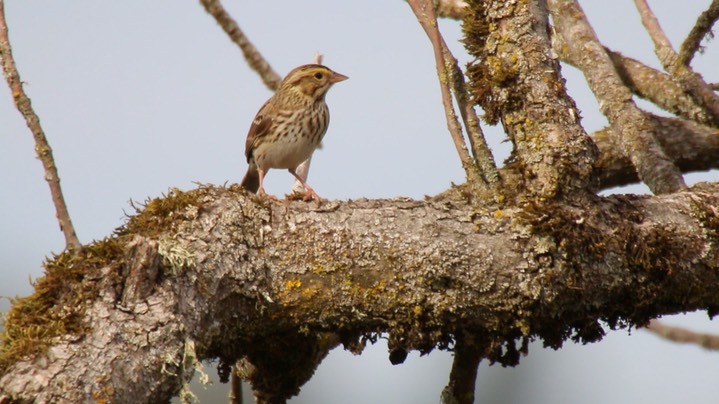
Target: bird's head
<point x="311" y="81"/>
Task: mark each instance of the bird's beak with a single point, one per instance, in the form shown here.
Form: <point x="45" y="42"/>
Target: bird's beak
<point x="336" y="77"/>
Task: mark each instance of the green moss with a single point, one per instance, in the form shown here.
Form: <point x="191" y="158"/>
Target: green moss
<point x="162" y="215"/>
<point x="56" y="308"/>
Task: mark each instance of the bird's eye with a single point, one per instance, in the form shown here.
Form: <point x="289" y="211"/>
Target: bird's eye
<point x="319" y="76"/>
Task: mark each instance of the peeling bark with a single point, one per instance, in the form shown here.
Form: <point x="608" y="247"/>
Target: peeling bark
<point x="235" y="277"/>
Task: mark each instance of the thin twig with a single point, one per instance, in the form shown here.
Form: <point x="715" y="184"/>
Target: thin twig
<point x="424" y="11"/>
<point x="679" y="334"/>
<point x="650" y="22"/>
<point x="690" y="81"/>
<point x="252" y="55"/>
<point x="701" y="29"/>
<point x="480" y="151"/>
<point x="42" y="147"/>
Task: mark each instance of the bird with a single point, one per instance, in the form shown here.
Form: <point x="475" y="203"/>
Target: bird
<point x="289" y="126"/>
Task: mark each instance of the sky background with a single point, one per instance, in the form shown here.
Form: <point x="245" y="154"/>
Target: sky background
<point x="137" y="97"/>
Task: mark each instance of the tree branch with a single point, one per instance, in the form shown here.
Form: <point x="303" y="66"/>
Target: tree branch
<point x="252" y="55"/>
<point x="630" y="125"/>
<point x="483" y="157"/>
<point x="701" y="28"/>
<point x="236" y="277"/>
<point x="658" y="88"/>
<point x="691" y="82"/>
<point x="679" y="334"/>
<point x="691" y="146"/>
<point x="42" y="147"/>
<point x="424" y="11"/>
<point x="463" y="376"/>
<point x="515" y="78"/>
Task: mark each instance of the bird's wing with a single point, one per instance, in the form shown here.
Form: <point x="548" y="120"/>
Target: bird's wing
<point x="260" y="127"/>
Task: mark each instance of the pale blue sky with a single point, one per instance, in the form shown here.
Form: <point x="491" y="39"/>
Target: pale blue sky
<point x="137" y="97"/>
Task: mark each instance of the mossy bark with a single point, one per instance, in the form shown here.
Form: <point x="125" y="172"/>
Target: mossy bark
<point x="251" y="274"/>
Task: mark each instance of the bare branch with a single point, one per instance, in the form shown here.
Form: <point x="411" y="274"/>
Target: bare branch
<point x="42" y="147"/>
<point x="679" y="334"/>
<point x="659" y="88"/>
<point x="629" y="123"/>
<point x="691" y="146"/>
<point x="478" y="145"/>
<point x="424" y="10"/>
<point x="252" y="55"/>
<point x="690" y="81"/>
<point x="463" y="376"/>
<point x="661" y="42"/>
<point x="701" y="29"/>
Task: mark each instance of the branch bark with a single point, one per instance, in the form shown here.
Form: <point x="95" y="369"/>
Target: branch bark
<point x="657" y="87"/>
<point x="236" y="278"/>
<point x="463" y="376"/>
<point x="690" y="81"/>
<point x="254" y="58"/>
<point x="691" y="146"/>
<point x="42" y="147"/>
<point x="516" y="79"/>
<point x="679" y="334"/>
<point x="630" y="125"/>
<point x="701" y="29"/>
<point x="424" y="11"/>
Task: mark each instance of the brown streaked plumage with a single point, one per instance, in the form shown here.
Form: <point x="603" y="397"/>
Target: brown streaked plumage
<point x="289" y="126"/>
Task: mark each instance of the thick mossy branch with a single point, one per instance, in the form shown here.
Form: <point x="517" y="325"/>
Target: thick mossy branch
<point x="71" y="279"/>
<point x="516" y="80"/>
<point x="57" y="307"/>
<point x="421" y="271"/>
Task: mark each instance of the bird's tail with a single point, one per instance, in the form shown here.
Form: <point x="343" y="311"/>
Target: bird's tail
<point x="251" y="182"/>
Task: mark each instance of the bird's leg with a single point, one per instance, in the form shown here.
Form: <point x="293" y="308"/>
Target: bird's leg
<point x="309" y="192"/>
<point x="261" y="191"/>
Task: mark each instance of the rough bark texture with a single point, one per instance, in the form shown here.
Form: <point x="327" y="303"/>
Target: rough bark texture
<point x="691" y="146"/>
<point x="628" y="123"/>
<point x="515" y="78"/>
<point x="655" y="86"/>
<point x="234" y="277"/>
<point x="271" y="287"/>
